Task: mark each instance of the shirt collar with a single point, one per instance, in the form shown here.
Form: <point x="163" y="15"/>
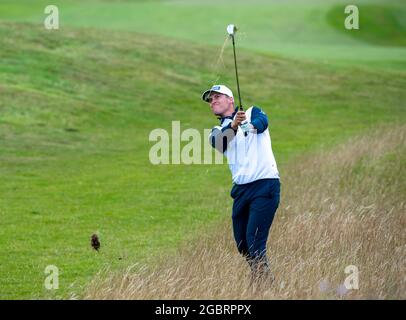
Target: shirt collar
<point x="222" y="119"/>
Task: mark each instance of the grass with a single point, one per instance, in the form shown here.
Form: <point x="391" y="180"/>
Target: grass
<point x="77" y="106"/>
<point x="380" y="25"/>
<point x="310" y="30"/>
<point x="340" y="208"/>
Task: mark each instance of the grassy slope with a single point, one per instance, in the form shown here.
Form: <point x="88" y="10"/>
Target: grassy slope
<point x="378" y="24"/>
<point x="76" y="110"/>
<point x="109" y="92"/>
<point x="339" y="207"/>
<point x="297" y="29"/>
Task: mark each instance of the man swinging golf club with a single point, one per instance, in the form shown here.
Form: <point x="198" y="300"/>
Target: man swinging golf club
<point x="243" y="137"/>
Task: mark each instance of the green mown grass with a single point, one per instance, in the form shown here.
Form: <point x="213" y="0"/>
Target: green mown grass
<point x="378" y="24"/>
<point x="312" y="30"/>
<point x="76" y="109"/>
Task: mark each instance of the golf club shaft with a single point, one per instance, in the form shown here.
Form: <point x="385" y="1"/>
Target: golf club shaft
<point x="236" y="74"/>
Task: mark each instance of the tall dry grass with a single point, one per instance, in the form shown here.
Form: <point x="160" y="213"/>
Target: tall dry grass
<point x="340" y="207"/>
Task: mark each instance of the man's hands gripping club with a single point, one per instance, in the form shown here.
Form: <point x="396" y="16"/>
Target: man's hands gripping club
<point x="240" y="121"/>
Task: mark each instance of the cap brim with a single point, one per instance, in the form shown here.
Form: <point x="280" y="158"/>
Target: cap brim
<point x="206" y="94"/>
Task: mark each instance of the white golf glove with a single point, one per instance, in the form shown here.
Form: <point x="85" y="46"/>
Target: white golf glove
<point x="246" y="127"/>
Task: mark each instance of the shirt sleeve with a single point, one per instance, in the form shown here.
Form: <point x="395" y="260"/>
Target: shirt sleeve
<point x="220" y="137"/>
<point x="259" y="119"/>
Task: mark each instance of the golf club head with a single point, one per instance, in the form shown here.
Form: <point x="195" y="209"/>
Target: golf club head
<point x="231" y="29"/>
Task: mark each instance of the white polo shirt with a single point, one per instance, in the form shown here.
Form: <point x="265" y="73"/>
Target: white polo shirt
<point x="250" y="156"/>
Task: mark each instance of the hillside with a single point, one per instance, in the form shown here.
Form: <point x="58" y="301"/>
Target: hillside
<point x="342" y="208"/>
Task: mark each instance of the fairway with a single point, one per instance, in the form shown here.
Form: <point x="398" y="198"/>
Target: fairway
<point x="77" y="106"/>
<point x="297" y="29"/>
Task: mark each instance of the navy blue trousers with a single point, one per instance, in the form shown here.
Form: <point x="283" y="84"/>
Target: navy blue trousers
<point x="254" y="208"/>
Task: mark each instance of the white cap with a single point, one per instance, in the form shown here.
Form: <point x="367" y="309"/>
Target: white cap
<point x="217" y="88"/>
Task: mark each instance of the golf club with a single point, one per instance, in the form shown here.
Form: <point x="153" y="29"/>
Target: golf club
<point x="231" y="30"/>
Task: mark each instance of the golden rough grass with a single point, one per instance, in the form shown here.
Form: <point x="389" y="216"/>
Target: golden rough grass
<point x="339" y="207"/>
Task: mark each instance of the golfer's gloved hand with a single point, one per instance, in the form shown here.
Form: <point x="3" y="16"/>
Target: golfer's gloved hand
<point x="247" y="127"/>
<point x="238" y="119"/>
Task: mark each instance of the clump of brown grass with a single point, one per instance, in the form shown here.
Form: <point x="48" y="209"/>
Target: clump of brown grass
<point x="340" y="207"/>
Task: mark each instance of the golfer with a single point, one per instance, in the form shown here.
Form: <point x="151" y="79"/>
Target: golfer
<point x="243" y="137"/>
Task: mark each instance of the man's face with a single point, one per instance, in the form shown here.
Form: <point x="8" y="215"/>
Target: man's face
<point x="221" y="104"/>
